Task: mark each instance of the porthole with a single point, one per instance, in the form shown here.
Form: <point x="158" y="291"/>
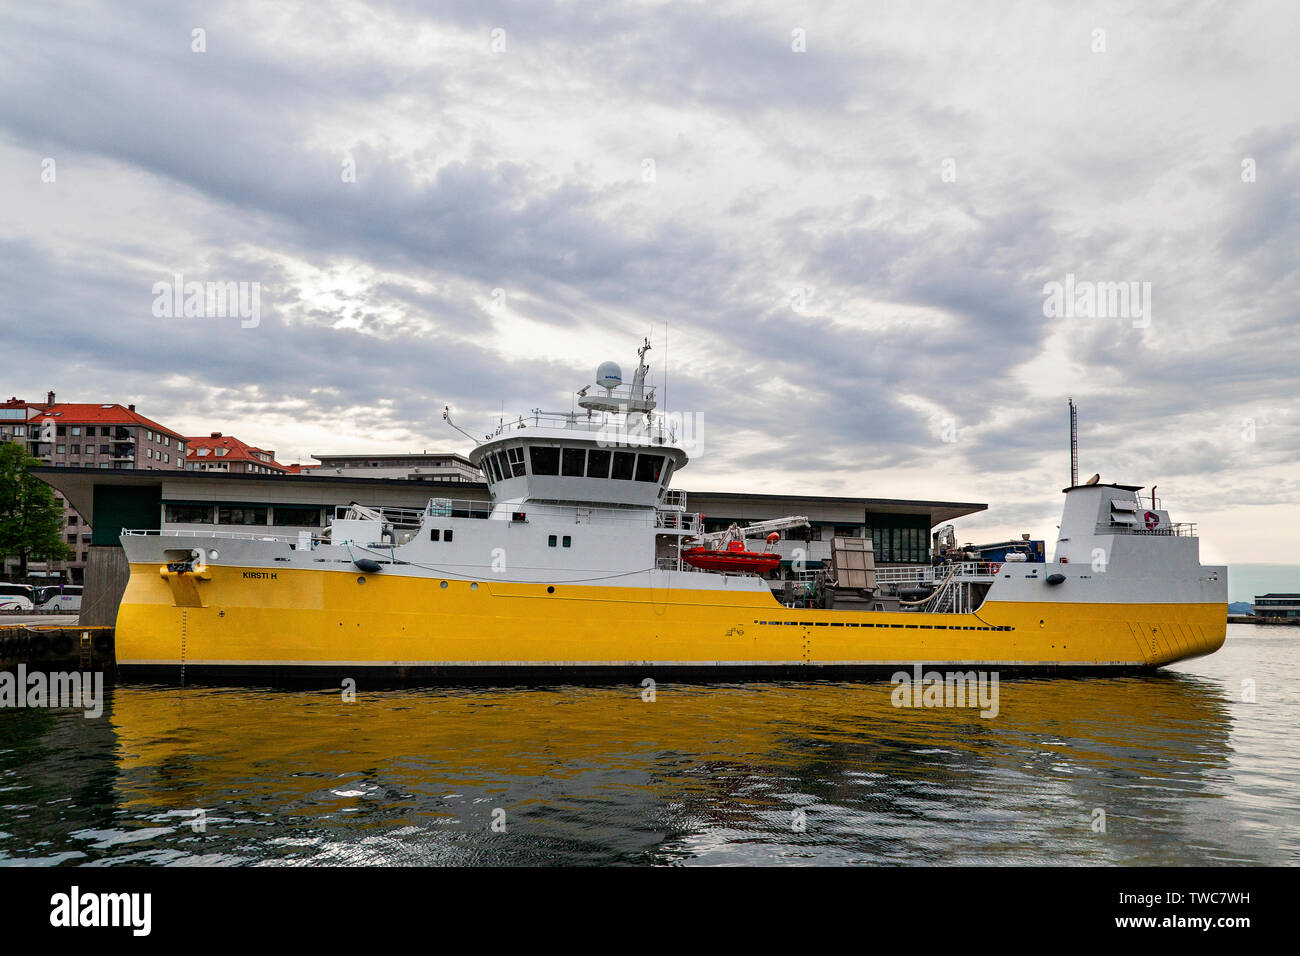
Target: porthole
<point x="443" y="585"/>
<point x="361" y="580"/>
<point x="213" y="555"/>
<point x="474" y="586"/>
<point x="550" y="590"/>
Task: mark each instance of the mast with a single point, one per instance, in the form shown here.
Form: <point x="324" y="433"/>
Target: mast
<point x="1074" y="444"/>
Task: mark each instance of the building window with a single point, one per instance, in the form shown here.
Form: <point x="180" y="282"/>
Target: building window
<point x="76" y="450"/>
<point x="61" y="430"/>
<point x="189" y="514"/>
<point x="72" y="539"/>
<point x="60" y="449"/>
<point x="241" y="515"/>
<point x="72" y="519"/>
<point x="296" y="516"/>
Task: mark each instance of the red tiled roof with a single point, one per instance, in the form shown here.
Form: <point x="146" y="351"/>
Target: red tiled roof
<point x="236" y="450"/>
<point x="66" y="413"/>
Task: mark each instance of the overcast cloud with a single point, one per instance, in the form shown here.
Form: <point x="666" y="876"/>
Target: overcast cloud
<point x="847" y="244"/>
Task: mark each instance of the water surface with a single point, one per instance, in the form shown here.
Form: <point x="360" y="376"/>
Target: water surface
<point x="1185" y="770"/>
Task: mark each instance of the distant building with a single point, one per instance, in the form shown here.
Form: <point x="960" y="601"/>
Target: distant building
<point x="226" y="453"/>
<point x="443" y="466"/>
<point x="105" y="436"/>
<point x="1278" y="607"/>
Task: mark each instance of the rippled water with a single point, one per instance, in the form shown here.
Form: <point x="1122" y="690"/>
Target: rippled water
<point x="1185" y="770"/>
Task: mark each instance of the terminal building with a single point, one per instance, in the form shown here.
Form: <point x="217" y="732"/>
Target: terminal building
<point x="287" y="504"/>
<point x="440" y="466"/>
<point x="1277" y="607"/>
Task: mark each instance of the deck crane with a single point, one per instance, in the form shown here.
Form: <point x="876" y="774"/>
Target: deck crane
<point x="717" y="540"/>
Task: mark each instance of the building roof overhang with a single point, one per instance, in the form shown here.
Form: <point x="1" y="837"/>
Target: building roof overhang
<point x="77" y="485"/>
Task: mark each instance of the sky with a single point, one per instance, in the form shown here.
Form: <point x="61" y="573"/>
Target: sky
<point x="840" y="225"/>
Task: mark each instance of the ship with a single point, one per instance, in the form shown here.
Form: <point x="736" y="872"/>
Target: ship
<point x="586" y="563"/>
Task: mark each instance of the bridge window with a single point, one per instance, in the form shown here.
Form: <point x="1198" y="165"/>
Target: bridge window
<point x="546" y="461"/>
<point x="502" y="465"/>
<point x="649" y="467"/>
<point x="516" y="457"/>
<point x="598" y="463"/>
<point x="574" y="462"/>
<point x="624" y="465"/>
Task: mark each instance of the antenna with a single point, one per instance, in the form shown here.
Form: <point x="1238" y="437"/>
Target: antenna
<point x="1074" y="444"/>
<point x="665" y="396"/>
<point x="446" y="417"/>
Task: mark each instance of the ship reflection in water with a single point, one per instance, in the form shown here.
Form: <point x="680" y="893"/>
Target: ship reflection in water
<point x="1184" y="771"/>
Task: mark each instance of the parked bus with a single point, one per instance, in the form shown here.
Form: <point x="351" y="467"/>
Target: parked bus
<point x="59" y="597"/>
<point x="17" y="597"/>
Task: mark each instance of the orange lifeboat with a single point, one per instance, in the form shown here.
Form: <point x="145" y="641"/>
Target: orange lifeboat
<point x="733" y="558"/>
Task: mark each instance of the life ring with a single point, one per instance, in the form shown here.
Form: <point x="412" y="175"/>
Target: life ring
<point x="995" y="567"/>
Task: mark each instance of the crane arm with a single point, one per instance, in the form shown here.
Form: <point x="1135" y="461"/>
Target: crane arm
<point x="760" y="529"/>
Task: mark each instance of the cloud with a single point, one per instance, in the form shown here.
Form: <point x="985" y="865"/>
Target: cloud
<point x="847" y="245"/>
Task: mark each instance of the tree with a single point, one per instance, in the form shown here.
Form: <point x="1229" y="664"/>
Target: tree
<point x="31" y="520"/>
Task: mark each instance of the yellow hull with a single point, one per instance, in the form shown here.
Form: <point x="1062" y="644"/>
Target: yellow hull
<point x="253" y="619"/>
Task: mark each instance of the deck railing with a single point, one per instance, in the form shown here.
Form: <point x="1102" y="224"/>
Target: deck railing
<point x="931" y="574"/>
<point x="214" y="533"/>
<point x="1178" y="529"/>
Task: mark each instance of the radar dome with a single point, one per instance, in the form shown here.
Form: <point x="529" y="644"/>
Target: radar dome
<point x="609" y="375"/>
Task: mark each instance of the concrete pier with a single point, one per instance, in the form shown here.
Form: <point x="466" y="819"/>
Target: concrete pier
<point x="64" y="646"/>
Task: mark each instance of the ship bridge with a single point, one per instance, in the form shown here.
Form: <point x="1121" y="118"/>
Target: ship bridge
<point x="615" y="452"/>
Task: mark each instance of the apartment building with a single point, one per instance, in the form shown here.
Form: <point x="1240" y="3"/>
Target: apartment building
<point x="226" y="453"/>
<point x="106" y="436"/>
